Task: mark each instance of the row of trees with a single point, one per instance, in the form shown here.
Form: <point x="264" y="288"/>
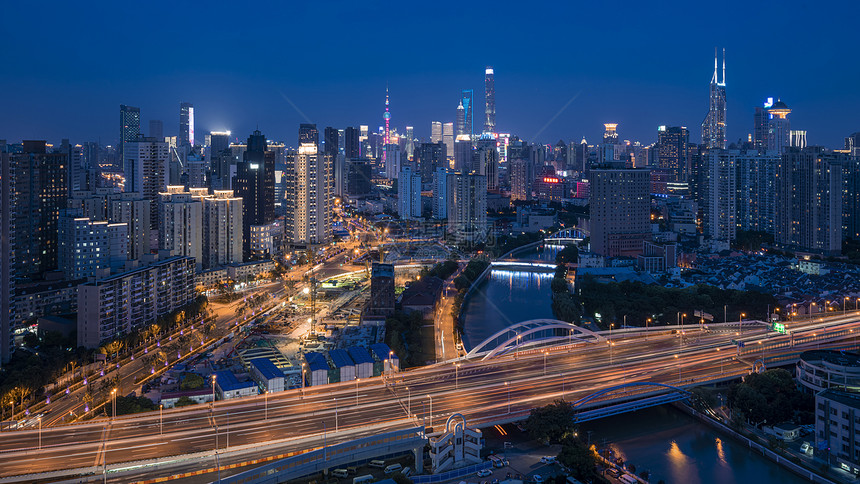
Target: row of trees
<point x="771" y="397"/>
<point x="403" y="336"/>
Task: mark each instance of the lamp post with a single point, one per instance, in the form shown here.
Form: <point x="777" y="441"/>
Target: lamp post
<point x="113" y="398"/>
<point x="266" y="404"/>
<point x="213" y="392"/>
<point x="741" y="323"/>
<point x="356" y="390"/>
<point x="647" y="321"/>
<point x="40" y="432"/>
<point x="431" y="410"/>
<point x="544" y="362"/>
<point x="517" y="352"/>
<point x="335" y="415"/>
<point x="161" y="420"/>
<point x="456" y="375"/>
<point x="562" y="385"/>
<point x="408" y="401"/>
<point x="508" y="387"/>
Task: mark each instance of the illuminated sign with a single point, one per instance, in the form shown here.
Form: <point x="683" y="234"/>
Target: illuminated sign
<point x="550" y="179"/>
<point x="779" y="328"/>
<point x="255" y="166"/>
<point x="769" y="103"/>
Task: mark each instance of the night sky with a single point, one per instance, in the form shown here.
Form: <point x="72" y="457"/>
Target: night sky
<point x="66" y="67"/>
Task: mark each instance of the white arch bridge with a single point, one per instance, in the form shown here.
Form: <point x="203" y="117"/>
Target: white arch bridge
<point x="531" y="334"/>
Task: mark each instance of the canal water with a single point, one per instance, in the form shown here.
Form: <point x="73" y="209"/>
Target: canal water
<point x="679" y="449"/>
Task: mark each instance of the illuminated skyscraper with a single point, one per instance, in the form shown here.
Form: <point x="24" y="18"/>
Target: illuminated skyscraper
<point x="610" y="133"/>
<point x="387" y="134"/>
<point x="255" y="185"/>
<point x="7" y="248"/>
<point x="461" y="119"/>
<point x="620" y="211"/>
<point x="714" y="125"/>
<point x="129" y="128"/>
<point x="778" y="127"/>
<point x="435" y="132"/>
<point x="186" y="124"/>
<point x="146" y="166"/>
<point x="448" y="138"/>
<point x="673" y="158"/>
<point x="490" y="101"/>
<point x="310" y="200"/>
<point x="469" y="108"/>
<point x="308" y="133"/>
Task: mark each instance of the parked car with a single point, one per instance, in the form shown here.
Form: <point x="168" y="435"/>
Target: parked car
<point x="537" y="478"/>
<point x="548" y="459"/>
<point x="484" y="473"/>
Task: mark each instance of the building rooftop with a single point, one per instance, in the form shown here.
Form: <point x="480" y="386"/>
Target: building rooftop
<point x="839" y="358"/>
<point x="359" y="355"/>
<point x="227" y="381"/>
<point x="850" y="399"/>
<point x="266" y="368"/>
<point x="340" y="358"/>
<point x="316" y="361"/>
<point x="381" y="351"/>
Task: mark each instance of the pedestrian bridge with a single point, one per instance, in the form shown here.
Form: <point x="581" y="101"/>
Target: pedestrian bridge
<point x="628" y="397"/>
<point x="531" y="334"/>
<point x="573" y="235"/>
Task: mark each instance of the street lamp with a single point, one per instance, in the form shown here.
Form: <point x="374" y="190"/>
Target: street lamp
<point x="213" y="391"/>
<point x="40" y="431"/>
<point x="741" y="323"/>
<point x="508" y="387"/>
<point x="161" y="420"/>
<point x="431" y="410"/>
<point x="356" y="390"/>
<point x="544" y="362"/>
<point x="113" y="397"/>
<point x="456" y="375"/>
<point x="408" y="401"/>
<point x="266" y="404"/>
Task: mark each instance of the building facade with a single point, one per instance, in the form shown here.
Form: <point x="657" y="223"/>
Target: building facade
<point x="620" y="206"/>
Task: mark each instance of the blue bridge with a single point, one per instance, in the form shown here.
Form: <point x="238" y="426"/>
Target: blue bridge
<point x="573" y="235"/>
<point x="628" y="397"/>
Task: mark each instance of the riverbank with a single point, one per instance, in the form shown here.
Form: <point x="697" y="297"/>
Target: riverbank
<point x="786" y="461"/>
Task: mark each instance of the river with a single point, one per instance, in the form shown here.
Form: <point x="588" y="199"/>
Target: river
<point x="672" y="445"/>
<point x="679" y="449"/>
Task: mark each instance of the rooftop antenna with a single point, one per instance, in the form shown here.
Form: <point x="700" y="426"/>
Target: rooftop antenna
<point x="724" y="66"/>
<point x="714" y="79"/>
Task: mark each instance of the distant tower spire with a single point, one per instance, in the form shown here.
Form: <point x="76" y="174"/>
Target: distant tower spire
<point x="714" y="78"/>
<point x="724" y="66"/>
<point x="387" y="137"/>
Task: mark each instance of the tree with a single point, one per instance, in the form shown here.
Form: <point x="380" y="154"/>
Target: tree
<point x="184" y="401"/>
<point x="191" y="381"/>
<point x="551" y="422"/>
<point x="567" y="255"/>
<point x="578" y="458"/>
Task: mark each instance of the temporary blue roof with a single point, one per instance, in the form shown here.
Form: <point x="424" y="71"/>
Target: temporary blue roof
<point x="228" y="382"/>
<point x="359" y="355"/>
<point x="267" y="368"/>
<point x="381" y="351"/>
<point x="340" y="358"/>
<point x="316" y="361"/>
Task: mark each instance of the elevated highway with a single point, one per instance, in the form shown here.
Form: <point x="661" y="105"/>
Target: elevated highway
<point x="237" y="434"/>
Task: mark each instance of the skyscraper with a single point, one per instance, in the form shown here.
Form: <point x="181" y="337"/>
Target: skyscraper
<point x="386" y="116"/>
<point x="448" y="138"/>
<point x="146" y="165"/>
<point x="673" y="157"/>
<point x="463" y="153"/>
<point x="330" y="150"/>
<point x="409" y="195"/>
<point x="186" y="124"/>
<point x="620" y="211"/>
<point x="156" y="129"/>
<point x="489" y="100"/>
<point x="720" y="209"/>
<point x="756" y="190"/>
<point x="429" y="157"/>
<point x="440" y="193"/>
<point x="310" y="201"/>
<point x="129" y="128"/>
<point x="760" y="119"/>
<point x="522" y="174"/>
<point x="461" y="119"/>
<point x="610" y="133"/>
<point x="255" y="185"/>
<point x="308" y="133"/>
<point x="7" y="248"/>
<point x="778" y="127"/>
<point x="181" y="228"/>
<point x="467" y="206"/>
<point x="222" y="229"/>
<point x="351" y="144"/>
<point x="714" y="125"/>
<point x="40" y="181"/>
<point x="469" y="109"/>
<point x="435" y="132"/>
<point x="488" y="159"/>
<point x="809" y="200"/>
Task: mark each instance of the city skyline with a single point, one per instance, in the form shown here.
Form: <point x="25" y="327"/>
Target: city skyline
<point x="567" y="89"/>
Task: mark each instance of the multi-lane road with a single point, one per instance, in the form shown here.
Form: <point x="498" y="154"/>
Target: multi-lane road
<point x="496" y="390"/>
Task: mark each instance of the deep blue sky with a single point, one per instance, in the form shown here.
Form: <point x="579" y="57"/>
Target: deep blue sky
<point x="66" y="67"/>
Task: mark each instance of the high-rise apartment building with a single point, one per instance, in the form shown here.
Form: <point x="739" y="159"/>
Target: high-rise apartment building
<point x="222" y="229"/>
<point x="673" y="158"/>
<point x="429" y="157"/>
<point x="467" y="206"/>
<point x="440" y="193"/>
<point x="90" y="249"/>
<point x="134" y="211"/>
<point x="129" y="127"/>
<point x="181" y="227"/>
<point x="255" y="185"/>
<point x="522" y="174"/>
<point x="714" y="125"/>
<point x="117" y="305"/>
<point x="720" y="208"/>
<point x="186" y="124"/>
<point x="756" y="190"/>
<point x="146" y="165"/>
<point x="7" y="248"/>
<point x="620" y="205"/>
<point x="409" y="194"/>
<point x="310" y="198"/>
<point x="40" y="183"/>
<point x="809" y="200"/>
<point x="489" y="100"/>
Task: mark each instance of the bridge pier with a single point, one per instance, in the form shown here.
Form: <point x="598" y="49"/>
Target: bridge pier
<point x="419" y="460"/>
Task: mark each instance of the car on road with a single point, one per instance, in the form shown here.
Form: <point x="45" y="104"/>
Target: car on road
<point x="484" y="473"/>
<point x="537" y="478"/>
<point x="548" y="459"/>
